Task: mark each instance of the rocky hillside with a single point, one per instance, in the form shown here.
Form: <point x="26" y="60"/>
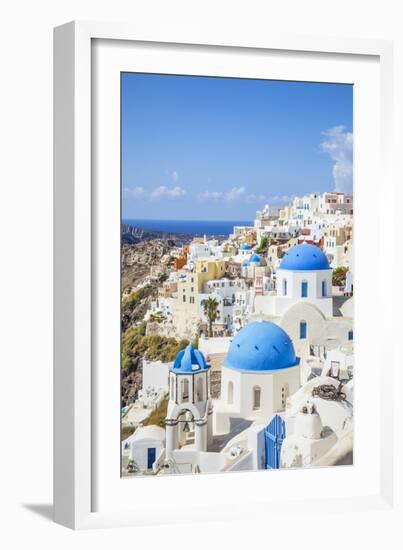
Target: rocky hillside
<point x="139" y="259"/>
<point x="143" y="266"/>
<point x="134" y="235"/>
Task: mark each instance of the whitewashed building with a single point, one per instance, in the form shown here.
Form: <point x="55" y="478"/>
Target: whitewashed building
<point x="260" y="371"/>
<point x="234" y="302"/>
<point x="303" y="303"/>
<point x="142" y="448"/>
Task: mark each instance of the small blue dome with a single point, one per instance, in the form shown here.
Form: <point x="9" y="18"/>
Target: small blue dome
<point x="244" y="264"/>
<point x="261" y="347"/>
<point x="245" y="247"/>
<point x="304" y="257"/>
<point x="255" y="258"/>
<point x="189" y="360"/>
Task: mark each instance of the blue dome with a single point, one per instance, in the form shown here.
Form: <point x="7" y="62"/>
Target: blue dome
<point x="244" y="264"/>
<point x="304" y="257"/>
<point x="255" y="258"/>
<point x="261" y="347"/>
<point x="189" y="360"/>
<point x="245" y="247"/>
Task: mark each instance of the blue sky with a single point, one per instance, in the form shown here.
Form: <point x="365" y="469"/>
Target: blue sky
<point x="220" y="148"/>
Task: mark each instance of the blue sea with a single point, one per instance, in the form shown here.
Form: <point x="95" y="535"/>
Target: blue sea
<point x="193" y="227"/>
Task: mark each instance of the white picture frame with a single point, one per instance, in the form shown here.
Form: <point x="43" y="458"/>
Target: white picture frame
<point x="88" y="491"/>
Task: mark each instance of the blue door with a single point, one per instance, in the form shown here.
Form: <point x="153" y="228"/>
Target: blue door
<point x="150" y="457"/>
<point x="274" y="434"/>
<point x="304" y="289"/>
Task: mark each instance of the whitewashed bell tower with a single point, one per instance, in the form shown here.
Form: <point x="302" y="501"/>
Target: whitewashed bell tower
<point x="189" y="401"/>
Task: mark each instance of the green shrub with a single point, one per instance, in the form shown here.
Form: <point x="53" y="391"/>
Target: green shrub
<point x="135" y="344"/>
<point x="264" y="243"/>
<point x="339" y="276"/>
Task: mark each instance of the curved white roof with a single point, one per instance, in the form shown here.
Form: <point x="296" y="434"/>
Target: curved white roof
<point x="347" y="309"/>
<point x="148" y="432"/>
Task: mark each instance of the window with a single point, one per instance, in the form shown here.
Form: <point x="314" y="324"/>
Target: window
<point x="230" y="398"/>
<point x="284" y="287"/>
<point x="302" y="330"/>
<point x="324" y="288"/>
<point x="184" y="298"/>
<point x="185" y="389"/>
<point x="199" y="389"/>
<point x="304" y="289"/>
<point x="256" y="398"/>
<point x="350" y="335"/>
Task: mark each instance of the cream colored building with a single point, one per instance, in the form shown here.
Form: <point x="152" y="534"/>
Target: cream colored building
<point x="185" y="305"/>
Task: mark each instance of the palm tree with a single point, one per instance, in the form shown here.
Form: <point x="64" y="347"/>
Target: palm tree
<point x="211" y="312"/>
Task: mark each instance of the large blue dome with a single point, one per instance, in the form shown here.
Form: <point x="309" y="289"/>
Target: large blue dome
<point x="261" y="347"/>
<point x="304" y="257"/>
<point x="189" y="360"/>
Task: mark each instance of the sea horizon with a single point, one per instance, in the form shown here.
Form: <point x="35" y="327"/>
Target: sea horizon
<point x="193" y="227"/>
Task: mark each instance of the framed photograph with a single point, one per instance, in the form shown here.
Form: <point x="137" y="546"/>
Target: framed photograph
<point x="214" y="341"/>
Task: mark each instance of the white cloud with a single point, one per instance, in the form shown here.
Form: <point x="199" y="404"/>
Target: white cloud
<point x="211" y="195"/>
<point x="338" y="144"/>
<point x="233" y="194"/>
<point x="167" y="192"/>
<point x="262" y="199"/>
<point x="133" y="191"/>
<point x="259" y="197"/>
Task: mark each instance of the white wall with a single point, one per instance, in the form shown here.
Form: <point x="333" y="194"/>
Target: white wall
<point x="294" y="281"/>
<point x="270" y="385"/>
<point x="139" y="451"/>
<point x="155" y="374"/>
<point x="214" y="345"/>
<point x="302" y="311"/>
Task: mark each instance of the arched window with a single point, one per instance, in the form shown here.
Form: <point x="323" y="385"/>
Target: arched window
<point x="185" y="389"/>
<point x="304" y="289"/>
<point x="199" y="389"/>
<point x="256" y="397"/>
<point x="230" y="393"/>
<point x="172" y="380"/>
<point x="324" y="291"/>
<point x="284" y="287"/>
<point x="302" y="330"/>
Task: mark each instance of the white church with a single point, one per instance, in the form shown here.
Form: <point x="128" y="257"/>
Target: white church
<point x="263" y="419"/>
<point x="303" y="305"/>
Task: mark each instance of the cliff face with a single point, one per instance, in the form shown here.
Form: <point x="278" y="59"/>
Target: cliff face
<point x="142" y="267"/>
<point x="134" y="235"/>
<point x="138" y="260"/>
